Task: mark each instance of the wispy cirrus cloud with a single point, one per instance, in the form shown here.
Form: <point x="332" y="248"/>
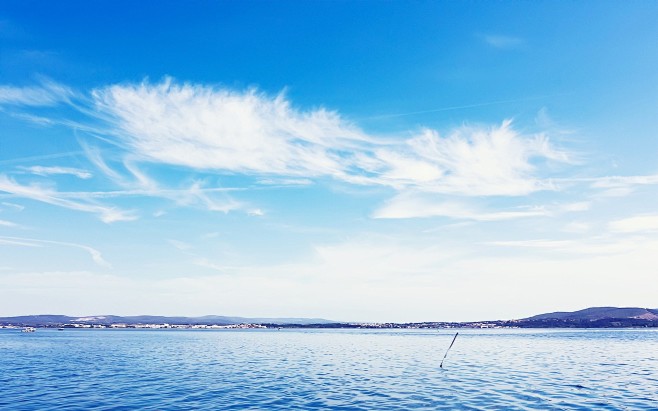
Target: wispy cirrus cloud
<point x="219" y="129"/>
<point x="107" y="214"/>
<point x="624" y="181"/>
<point x="212" y="199"/>
<point x="16" y="207"/>
<point x="638" y="223"/>
<point x="622" y="186"/>
<point x="286" y="182"/>
<point x="473" y="161"/>
<point x="46" y="171"/>
<point x="196" y="194"/>
<point x="603" y="246"/>
<point x="417" y="205"/>
<point x="256" y="212"/>
<point x="208" y="128"/>
<point x="95" y="255"/>
<point x="40" y="157"/>
<point x="136" y="182"/>
<point x="47" y="94"/>
<point x="611" y="186"/>
<point x="5" y="223"/>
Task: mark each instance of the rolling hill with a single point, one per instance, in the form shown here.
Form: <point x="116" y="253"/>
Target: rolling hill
<point x="600" y="313"/>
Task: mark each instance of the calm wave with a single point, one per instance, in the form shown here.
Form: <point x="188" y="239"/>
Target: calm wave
<point x="328" y="369"/>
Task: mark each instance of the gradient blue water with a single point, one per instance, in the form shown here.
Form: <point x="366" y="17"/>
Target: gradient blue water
<point x="328" y="369"/>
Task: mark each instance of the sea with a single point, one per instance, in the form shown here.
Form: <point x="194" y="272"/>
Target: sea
<point x="337" y="369"/>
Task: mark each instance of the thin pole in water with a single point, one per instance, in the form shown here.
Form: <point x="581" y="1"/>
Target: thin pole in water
<point x="444" y="357"/>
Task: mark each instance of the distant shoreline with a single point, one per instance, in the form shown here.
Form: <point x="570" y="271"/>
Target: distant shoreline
<point x="507" y="324"/>
<point x="593" y="317"/>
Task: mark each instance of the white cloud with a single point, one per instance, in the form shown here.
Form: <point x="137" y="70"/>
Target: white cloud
<point x="624" y="181"/>
<point x="95" y="255"/>
<point x="619" y="186"/>
<point x="208" y="128"/>
<point x="286" y="181"/>
<point x="94" y="156"/>
<point x="46" y="171"/>
<point x="472" y="161"/>
<point x="137" y="183"/>
<point x="47" y="94"/>
<point x="46" y="195"/>
<point x="38" y="120"/>
<point x="647" y="222"/>
<point x="412" y="204"/>
<point x="16" y="207"/>
<point x="18" y="242"/>
<point x="415" y="205"/>
<point x="5" y="223"/>
<point x="41" y="157"/>
<point x="588" y="246"/>
<point x="615" y="186"/>
<point x="197" y="194"/>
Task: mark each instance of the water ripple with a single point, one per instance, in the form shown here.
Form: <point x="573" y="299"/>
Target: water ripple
<point x="328" y="370"/>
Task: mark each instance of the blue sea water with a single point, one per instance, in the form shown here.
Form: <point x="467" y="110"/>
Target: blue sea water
<point x="328" y="370"/>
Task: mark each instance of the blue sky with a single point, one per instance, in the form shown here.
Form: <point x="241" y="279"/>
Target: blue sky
<point x="358" y="161"/>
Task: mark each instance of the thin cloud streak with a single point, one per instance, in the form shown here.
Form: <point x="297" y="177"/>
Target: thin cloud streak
<point x="95" y="255"/>
<point x="405" y="206"/>
<point x="47" y="94"/>
<point x="624" y="181"/>
<point x="603" y="246"/>
<point x="16" y="207"/>
<point x="460" y="107"/>
<point x="47" y="171"/>
<point x="611" y="182"/>
<point x="49" y="196"/>
<point x="85" y="200"/>
<point x="639" y="223"/>
<point x="5" y="223"/>
<point x="41" y="157"/>
<point x="138" y="183"/>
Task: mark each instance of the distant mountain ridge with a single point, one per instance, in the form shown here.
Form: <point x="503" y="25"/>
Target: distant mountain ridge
<point x="54" y="320"/>
<point x="600" y="313"/>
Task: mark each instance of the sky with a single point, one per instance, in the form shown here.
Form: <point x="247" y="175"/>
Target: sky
<point x="355" y="161"/>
